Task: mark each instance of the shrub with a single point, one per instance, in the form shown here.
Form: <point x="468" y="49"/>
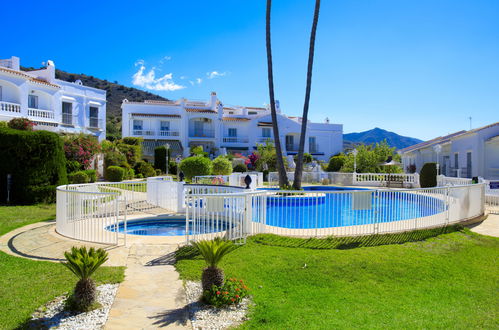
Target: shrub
<point x="222" y="166"/>
<point x="72" y="166"/>
<point x="132" y="152"/>
<point x="115" y="173"/>
<point x="173" y="168"/>
<point x="23" y="124"/>
<point x="81" y="148"/>
<point x="231" y="293"/>
<point x="335" y="163"/>
<point x="36" y="162"/>
<point x="133" y="141"/>
<point x="307" y="158"/>
<point x="83" y="263"/>
<point x="325" y="181"/>
<point x="196" y="165"/>
<point x="428" y="175"/>
<point x="3" y="124"/>
<point x="160" y="158"/>
<point x="78" y="177"/>
<point x="240" y="168"/>
<point x="198" y="151"/>
<point x="129" y="173"/>
<point x="92" y="175"/>
<point x="145" y="169"/>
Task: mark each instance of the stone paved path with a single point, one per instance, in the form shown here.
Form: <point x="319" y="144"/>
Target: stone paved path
<point x="152" y="295"/>
<point x="489" y="226"/>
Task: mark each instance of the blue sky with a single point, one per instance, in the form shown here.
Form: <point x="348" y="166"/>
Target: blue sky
<point x="419" y="68"/>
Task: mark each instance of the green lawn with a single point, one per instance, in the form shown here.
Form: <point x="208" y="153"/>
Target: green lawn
<point x="449" y="282"/>
<point x="26" y="284"/>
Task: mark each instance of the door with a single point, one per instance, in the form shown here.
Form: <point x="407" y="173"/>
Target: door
<point x="468" y="165"/>
<point x="289" y="142"/>
<point x="198" y="128"/>
<point x="67" y="113"/>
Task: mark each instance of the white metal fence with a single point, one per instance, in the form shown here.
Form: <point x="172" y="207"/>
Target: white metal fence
<point x="326" y="213"/>
<point x="401" y="180"/>
<point x="443" y="181"/>
<point x="234" y="179"/>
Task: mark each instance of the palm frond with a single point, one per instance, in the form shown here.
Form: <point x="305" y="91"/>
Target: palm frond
<point x="213" y="251"/>
<point x="82" y="262"/>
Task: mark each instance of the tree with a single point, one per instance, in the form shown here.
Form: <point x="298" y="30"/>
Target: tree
<point x="301" y="147"/>
<point x="283" y="178"/>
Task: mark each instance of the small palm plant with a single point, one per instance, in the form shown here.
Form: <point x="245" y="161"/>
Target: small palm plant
<point x="83" y="263"/>
<point x="213" y="252"/>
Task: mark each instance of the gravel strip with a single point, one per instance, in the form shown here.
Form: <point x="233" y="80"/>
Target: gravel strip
<point x="203" y="316"/>
<point x="53" y="316"/>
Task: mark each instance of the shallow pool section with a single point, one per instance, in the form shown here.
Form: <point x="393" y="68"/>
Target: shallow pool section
<point x="158" y="226"/>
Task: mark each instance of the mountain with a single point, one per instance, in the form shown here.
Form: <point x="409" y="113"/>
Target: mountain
<point x="377" y="135"/>
<point x="115" y="94"/>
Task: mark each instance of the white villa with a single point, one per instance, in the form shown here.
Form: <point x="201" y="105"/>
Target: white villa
<point x="466" y="154"/>
<point x="185" y="123"/>
<point x="54" y="105"/>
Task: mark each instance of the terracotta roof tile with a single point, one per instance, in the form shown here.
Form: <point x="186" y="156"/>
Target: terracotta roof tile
<point x="235" y="119"/>
<point x="154" y="115"/>
<point x="200" y="110"/>
<point x="28" y="77"/>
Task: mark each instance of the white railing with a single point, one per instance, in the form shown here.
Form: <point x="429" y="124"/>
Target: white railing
<point x="143" y="132"/>
<point x="235" y="179"/>
<point x="41" y="114"/>
<point x="6" y="63"/>
<point x="400" y="180"/>
<point x="491" y="194"/>
<point x="235" y="139"/>
<point x="210" y="133"/>
<point x="169" y="133"/>
<point x="10" y="107"/>
<point x="330" y="213"/>
<point x="451" y="181"/>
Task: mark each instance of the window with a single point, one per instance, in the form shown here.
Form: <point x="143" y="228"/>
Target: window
<point x="266" y="132"/>
<point x="290" y="141"/>
<point x="456" y="160"/>
<point x="164" y="125"/>
<point x="251" y="113"/>
<point x="311" y="144"/>
<point x="0" y="93"/>
<point x="94" y="117"/>
<point x="468" y="164"/>
<point x="137" y="126"/>
<point x="32" y="101"/>
<point x="232" y="132"/>
<point x="67" y="113"/>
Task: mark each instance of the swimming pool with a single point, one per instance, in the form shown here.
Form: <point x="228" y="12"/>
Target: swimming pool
<point x="159" y="226"/>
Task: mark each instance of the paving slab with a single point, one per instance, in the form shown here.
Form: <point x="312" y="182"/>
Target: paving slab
<point x="489" y="227"/>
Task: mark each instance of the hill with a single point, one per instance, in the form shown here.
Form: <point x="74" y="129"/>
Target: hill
<point x="115" y="94"/>
<point x="377" y="135"/>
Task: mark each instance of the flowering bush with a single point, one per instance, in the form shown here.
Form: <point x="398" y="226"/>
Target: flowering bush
<point x="81" y="148"/>
<point x="252" y="160"/>
<point x="231" y="293"/>
<point x="23" y="124"/>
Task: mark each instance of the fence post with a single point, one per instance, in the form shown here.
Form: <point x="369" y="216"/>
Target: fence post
<point x="248" y="215"/>
<point x="124" y="220"/>
<point x="447" y="204"/>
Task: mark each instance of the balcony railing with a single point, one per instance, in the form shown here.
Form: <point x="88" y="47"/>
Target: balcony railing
<point x="10" y="107"/>
<point x="209" y="133"/>
<point x="41" y="114"/>
<point x="235" y="139"/>
<point x="263" y="139"/>
<point x="169" y="133"/>
<point x="143" y="132"/>
<point x="6" y="63"/>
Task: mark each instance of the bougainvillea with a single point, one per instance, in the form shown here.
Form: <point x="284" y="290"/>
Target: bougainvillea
<point x="252" y="160"/>
<point x="81" y="148"/>
<point x="23" y="124"/>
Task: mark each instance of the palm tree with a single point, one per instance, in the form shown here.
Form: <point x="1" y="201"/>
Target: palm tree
<point x="299" y="163"/>
<point x="83" y="264"/>
<point x="213" y="252"/>
<point x="283" y="178"/>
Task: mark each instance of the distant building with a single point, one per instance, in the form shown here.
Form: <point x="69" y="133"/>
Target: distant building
<point x="53" y="104"/>
<point x="464" y="154"/>
<point x="185" y="123"/>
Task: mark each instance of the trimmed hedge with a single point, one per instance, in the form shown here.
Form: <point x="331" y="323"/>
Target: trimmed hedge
<point x="240" y="168"/>
<point x="145" y="169"/>
<point x="222" y="166"/>
<point x="428" y="175"/>
<point x="36" y="161"/>
<point x="92" y="175"/>
<point x="78" y="177"/>
<point x="160" y="158"/>
<point x="172" y="168"/>
<point x="115" y="174"/>
<point x="336" y="163"/>
<point x="194" y="166"/>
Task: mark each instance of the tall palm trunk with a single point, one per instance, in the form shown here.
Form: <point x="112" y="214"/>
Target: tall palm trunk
<point x="283" y="178"/>
<point x="299" y="163"/>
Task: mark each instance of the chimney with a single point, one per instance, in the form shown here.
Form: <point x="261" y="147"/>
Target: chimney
<point x="15" y="63"/>
<point x="277" y="106"/>
<point x="50" y="71"/>
<point x="213" y="100"/>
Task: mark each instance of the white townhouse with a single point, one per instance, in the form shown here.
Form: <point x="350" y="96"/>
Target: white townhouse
<point x="185" y="123"/>
<point x="54" y="105"/>
<point x="466" y="154"/>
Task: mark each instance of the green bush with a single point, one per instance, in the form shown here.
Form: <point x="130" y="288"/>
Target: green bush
<point x="129" y="173"/>
<point x="307" y="158"/>
<point x="115" y="174"/>
<point x="36" y="161"/>
<point x="197" y="165"/>
<point x="240" y="168"/>
<point x="231" y="293"/>
<point x="173" y="168"/>
<point x="145" y="169"/>
<point x="428" y="175"/>
<point x="78" y="177"/>
<point x="160" y="158"/>
<point x="132" y="152"/>
<point x="222" y="166"/>
<point x="133" y="141"/>
<point x="198" y="151"/>
<point x="335" y="163"/>
<point x="23" y="124"/>
<point x="73" y="166"/>
<point x="92" y="175"/>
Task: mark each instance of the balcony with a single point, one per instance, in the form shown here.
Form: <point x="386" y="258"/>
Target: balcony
<point x="263" y="139"/>
<point x="155" y="133"/>
<point x="9" y="107"/>
<point x="40" y="114"/>
<point x="169" y="133"/>
<point x="235" y="139"/>
<point x="205" y="133"/>
<point x="143" y="132"/>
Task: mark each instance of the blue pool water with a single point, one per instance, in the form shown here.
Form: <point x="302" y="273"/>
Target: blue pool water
<point x="304" y="212"/>
<point x="158" y="226"/>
